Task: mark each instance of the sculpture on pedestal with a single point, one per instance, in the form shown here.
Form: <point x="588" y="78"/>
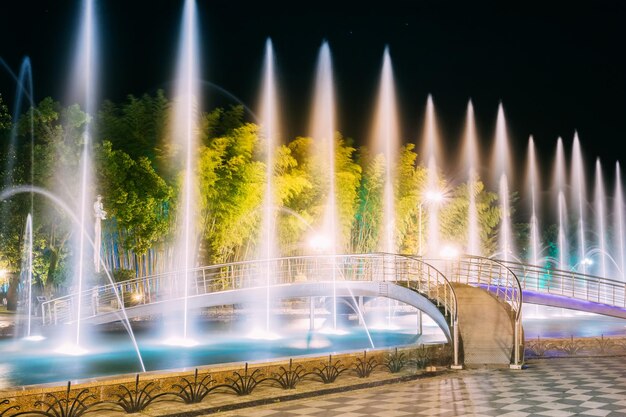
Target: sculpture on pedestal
<point x="99" y="215"/>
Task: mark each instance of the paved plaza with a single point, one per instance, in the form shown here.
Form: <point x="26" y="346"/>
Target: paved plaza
<point x="547" y="387"/>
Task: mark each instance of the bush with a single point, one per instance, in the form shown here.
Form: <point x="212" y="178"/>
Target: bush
<point x="120" y="275"/>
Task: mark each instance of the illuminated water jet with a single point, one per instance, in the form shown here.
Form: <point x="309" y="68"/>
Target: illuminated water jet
<point x="532" y="180"/>
<point x="431" y="141"/>
<point x="386" y="140"/>
<point x="471" y="161"/>
<point x="269" y="132"/>
<point x="578" y="187"/>
<point x="323" y="133"/>
<point x="600" y="198"/>
<point x="618" y="208"/>
<point x="186" y="116"/>
<point x="86" y="69"/>
<point x="502" y="166"/>
<point x="559" y="178"/>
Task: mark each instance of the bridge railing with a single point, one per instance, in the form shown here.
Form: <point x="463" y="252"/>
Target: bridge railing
<point x="253" y="274"/>
<point x="495" y="277"/>
<point x="570" y="284"/>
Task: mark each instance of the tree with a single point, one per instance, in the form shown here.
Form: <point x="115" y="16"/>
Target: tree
<point x="409" y="190"/>
<point x="231" y="190"/>
<point x="136" y="198"/>
<point x="138" y="126"/>
<point x="368" y="218"/>
<point x="454" y="216"/>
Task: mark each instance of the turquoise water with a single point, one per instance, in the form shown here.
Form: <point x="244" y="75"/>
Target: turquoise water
<point x="110" y="352"/>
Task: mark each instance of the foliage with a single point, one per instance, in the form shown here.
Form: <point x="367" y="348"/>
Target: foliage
<point x="219" y="123"/>
<point x="395" y="361"/>
<point x="422" y="357"/>
<point x="303" y="185"/>
<point x="5" y="117"/>
<point x="136" y="127"/>
<point x="135" y="197"/>
<point x="409" y="190"/>
<point x="454" y="215"/>
<point x="368" y="216"/>
<point x="231" y="190"/>
<point x="365" y="366"/>
<point x="133" y="169"/>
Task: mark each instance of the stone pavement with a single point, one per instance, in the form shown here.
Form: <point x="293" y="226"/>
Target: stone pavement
<point x="547" y="387"/>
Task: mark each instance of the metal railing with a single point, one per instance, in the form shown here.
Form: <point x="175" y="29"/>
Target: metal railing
<point x="410" y="272"/>
<point x="569" y="284"/>
<point x="494" y="276"/>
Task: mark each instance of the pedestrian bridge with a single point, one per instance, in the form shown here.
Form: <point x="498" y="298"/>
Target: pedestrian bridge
<point x="426" y="284"/>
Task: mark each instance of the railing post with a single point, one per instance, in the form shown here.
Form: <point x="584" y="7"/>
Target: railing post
<point x="517" y="344"/>
<point x="361" y="310"/>
<point x="455" y="345"/>
<point x="420" y="329"/>
<point x="94" y="300"/>
<point x="311" y="314"/>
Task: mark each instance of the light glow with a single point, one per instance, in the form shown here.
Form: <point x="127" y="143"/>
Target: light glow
<point x="71" y="350"/>
<point x="320" y="242"/>
<point x="181" y="341"/>
<point x="449" y="252"/>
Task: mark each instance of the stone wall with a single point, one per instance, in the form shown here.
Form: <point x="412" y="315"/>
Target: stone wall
<point x="112" y="394"/>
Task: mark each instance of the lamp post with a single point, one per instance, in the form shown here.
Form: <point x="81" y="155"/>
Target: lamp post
<point x="430" y="197"/>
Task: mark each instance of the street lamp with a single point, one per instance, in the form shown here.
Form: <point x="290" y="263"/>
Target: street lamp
<point x="430" y="197"/>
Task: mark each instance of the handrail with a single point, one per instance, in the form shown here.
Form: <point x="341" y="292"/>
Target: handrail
<point x="496" y="277"/>
<point x="570" y="284"/>
<point x="478" y="270"/>
<point x="427" y="280"/>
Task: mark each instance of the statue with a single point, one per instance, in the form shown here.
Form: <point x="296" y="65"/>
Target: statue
<point x="99" y="215"/>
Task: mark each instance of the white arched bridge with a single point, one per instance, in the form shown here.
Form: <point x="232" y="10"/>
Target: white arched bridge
<point x="455" y="293"/>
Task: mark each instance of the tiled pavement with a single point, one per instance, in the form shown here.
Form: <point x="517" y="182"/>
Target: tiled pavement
<point x="549" y="387"/>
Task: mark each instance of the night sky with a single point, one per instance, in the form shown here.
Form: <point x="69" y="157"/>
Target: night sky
<point x="556" y="67"/>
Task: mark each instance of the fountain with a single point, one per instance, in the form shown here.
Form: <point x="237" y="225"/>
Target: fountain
<point x="600" y="206"/>
<point x="501" y="167"/>
<point x="27" y="277"/>
<point x="107" y="352"/>
<point x="559" y="179"/>
<point x="618" y="209"/>
<point x="184" y="133"/>
<point x="578" y="188"/>
<point x="323" y="133"/>
<point x="269" y="131"/>
<point x="471" y="159"/>
<point x="532" y="180"/>
<point x="385" y="139"/>
<point x="432" y="181"/>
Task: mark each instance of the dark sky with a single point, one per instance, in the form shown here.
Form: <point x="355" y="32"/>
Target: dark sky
<point x="557" y="67"/>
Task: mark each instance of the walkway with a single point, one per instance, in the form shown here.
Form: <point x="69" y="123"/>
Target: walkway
<point x="548" y="387"/>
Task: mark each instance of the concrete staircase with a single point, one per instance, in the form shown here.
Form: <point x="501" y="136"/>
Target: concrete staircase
<point x="486" y="327"/>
